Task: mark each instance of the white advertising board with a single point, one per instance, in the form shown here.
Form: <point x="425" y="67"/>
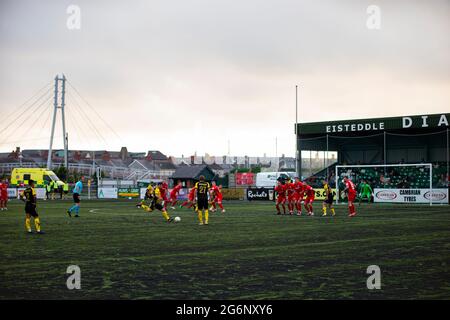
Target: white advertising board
<point x="410" y="195"/>
<point x="107" y="193"/>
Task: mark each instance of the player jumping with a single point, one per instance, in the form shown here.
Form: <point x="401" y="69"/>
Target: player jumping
<point x="329" y="199"/>
<point x="350" y="189"/>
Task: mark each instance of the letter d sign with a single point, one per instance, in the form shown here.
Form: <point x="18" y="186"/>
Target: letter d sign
<point x="374" y="281"/>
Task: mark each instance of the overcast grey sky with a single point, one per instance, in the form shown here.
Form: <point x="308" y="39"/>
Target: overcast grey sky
<point x="189" y="75"/>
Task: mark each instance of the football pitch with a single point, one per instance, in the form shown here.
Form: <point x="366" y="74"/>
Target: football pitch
<point x="246" y="253"/>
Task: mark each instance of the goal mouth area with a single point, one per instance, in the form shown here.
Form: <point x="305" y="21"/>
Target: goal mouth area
<point x="392" y="183"/>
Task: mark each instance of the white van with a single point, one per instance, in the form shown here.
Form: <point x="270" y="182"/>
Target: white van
<point x="269" y="179"/>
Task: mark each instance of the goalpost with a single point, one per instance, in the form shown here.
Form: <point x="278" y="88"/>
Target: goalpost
<point x="392" y="183"/>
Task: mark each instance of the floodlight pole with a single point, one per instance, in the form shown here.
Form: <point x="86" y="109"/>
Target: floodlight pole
<point x="297" y="151"/>
<point x="63" y="103"/>
<point x="55" y="106"/>
<point x="55" y="109"/>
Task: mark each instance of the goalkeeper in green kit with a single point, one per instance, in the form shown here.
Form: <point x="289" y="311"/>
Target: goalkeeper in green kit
<point x="365" y="192"/>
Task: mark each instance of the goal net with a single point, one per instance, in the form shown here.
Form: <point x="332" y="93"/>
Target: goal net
<point x="391" y="183"/>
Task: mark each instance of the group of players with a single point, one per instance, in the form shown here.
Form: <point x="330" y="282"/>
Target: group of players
<point x="200" y="197"/>
<point x="295" y="193"/>
<point x="203" y="195"/>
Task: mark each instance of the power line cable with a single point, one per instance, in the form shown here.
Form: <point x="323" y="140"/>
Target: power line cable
<point x="24" y="111"/>
<point x="88" y="121"/>
<point x="93" y="109"/>
<point x="25" y="103"/>
<point x="29" y="116"/>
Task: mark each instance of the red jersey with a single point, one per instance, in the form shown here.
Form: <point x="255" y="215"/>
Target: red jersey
<point x="164" y="188"/>
<point x="3" y="189"/>
<point x="350" y="186"/>
<point x="280" y="190"/>
<point x="175" y="191"/>
<point x="290" y="188"/>
<point x="309" y="191"/>
<point x="191" y="194"/>
<point x="298" y="187"/>
<point x="216" y="191"/>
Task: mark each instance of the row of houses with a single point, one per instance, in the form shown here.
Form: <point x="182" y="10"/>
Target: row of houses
<point x="125" y="164"/>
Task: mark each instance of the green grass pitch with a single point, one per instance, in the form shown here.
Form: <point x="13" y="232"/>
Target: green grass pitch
<point x="246" y="253"/>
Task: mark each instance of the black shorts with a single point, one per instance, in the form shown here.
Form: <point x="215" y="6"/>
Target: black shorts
<point x="202" y="203"/>
<point x="31" y="210"/>
<point x="329" y="199"/>
<point x="158" y="206"/>
<point x="76" y="198"/>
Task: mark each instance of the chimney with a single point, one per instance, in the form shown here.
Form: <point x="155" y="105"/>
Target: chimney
<point x="123" y="153"/>
<point x="106" y="156"/>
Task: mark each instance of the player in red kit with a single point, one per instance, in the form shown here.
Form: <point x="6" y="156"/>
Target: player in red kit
<point x="350" y="189"/>
<point x="298" y="195"/>
<point x="163" y="189"/>
<point x="190" y="201"/>
<point x="280" y="189"/>
<point x="174" y="195"/>
<point x="3" y="195"/>
<point x="217" y="197"/>
<point x="290" y="191"/>
<point x="310" y="195"/>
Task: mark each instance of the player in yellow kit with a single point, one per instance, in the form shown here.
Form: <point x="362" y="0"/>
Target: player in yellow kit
<point x="328" y="200"/>
<point x="150" y="196"/>
<point x="154" y="194"/>
<point x="202" y="191"/>
<point x="30" y="208"/>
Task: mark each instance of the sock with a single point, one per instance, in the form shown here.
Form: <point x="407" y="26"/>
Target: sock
<point x="324" y="210"/>
<point x="284" y="208"/>
<point x="190" y="206"/>
<point x="146" y="207"/>
<point x="221" y="206"/>
<point x="353" y="208"/>
<point x="37" y="224"/>
<point x="206" y="215"/>
<point x="72" y="208"/>
<point x="350" y="209"/>
<point x="332" y="211"/>
<point x="200" y="216"/>
<point x="165" y="215"/>
<point x="278" y="208"/>
<point x="77" y="209"/>
<point x="28" y="224"/>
